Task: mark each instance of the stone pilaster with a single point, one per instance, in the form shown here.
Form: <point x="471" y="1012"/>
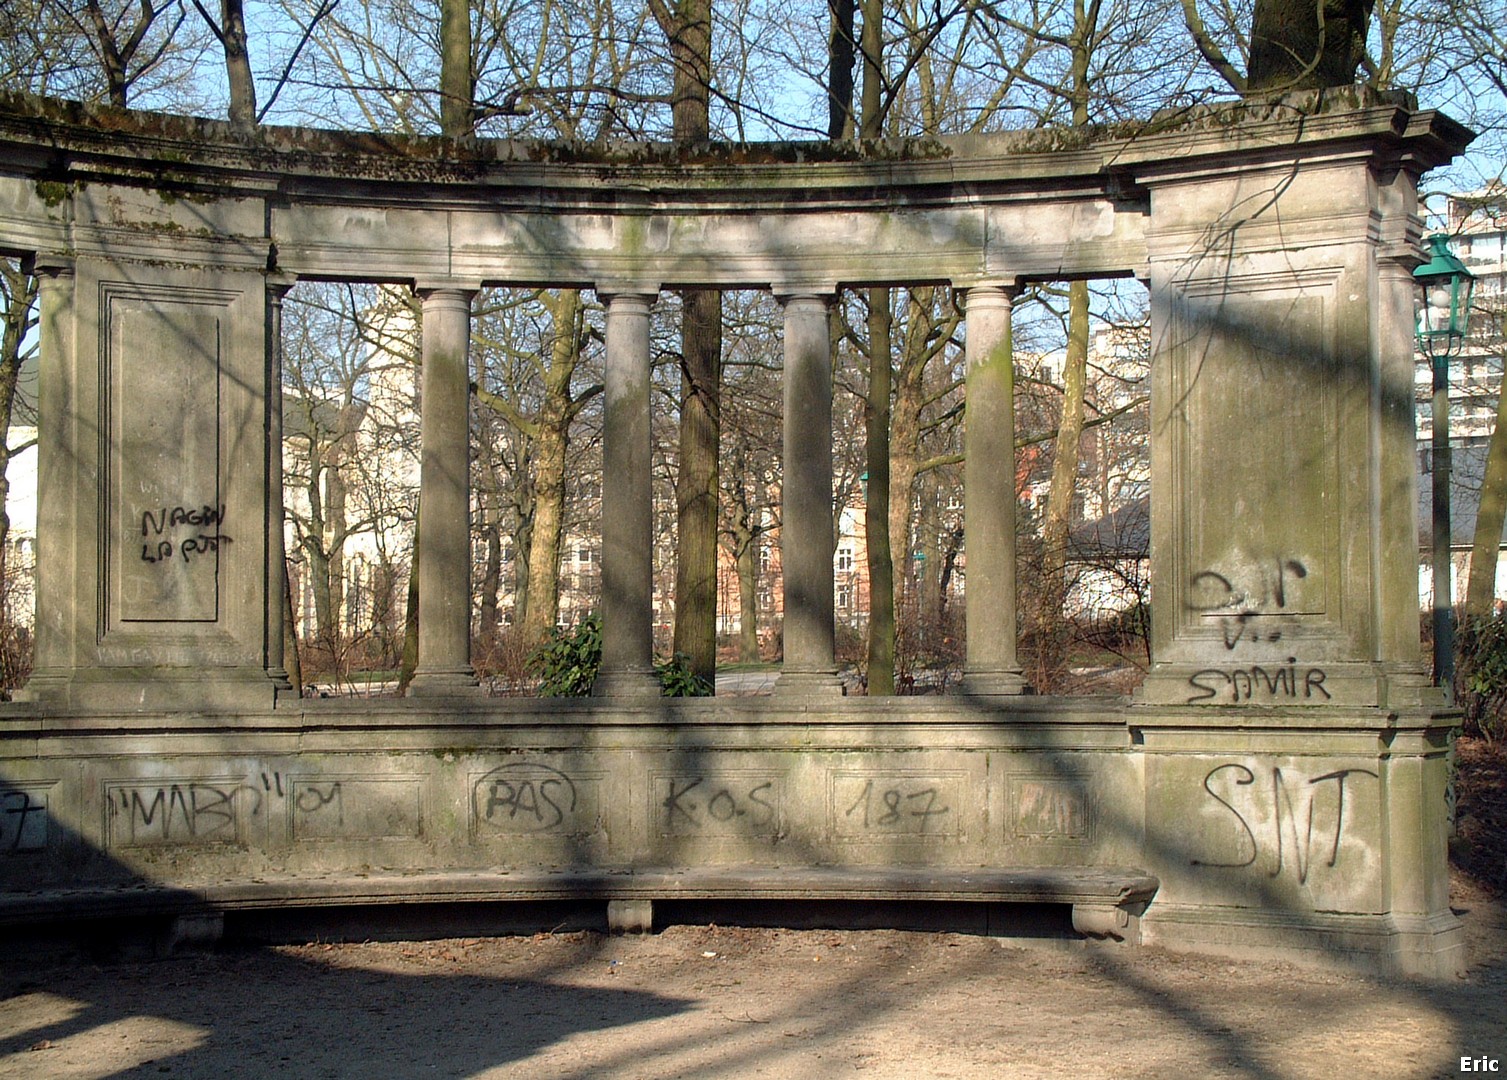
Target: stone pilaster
<point x="277" y="566"/>
<point x="444" y="562"/>
<point x="627" y="506"/>
<point x="991" y="665"/>
<point x="56" y="614"/>
<point x="806" y="519"/>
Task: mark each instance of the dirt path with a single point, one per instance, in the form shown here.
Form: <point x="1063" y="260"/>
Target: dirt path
<point x="722" y="1002"/>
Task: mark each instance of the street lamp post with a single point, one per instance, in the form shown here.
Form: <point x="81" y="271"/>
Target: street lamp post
<point x="1443" y="320"/>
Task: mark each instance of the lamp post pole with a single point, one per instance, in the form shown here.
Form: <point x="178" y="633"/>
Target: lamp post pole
<point x="1444" y="599"/>
<point x="1443" y="321"/>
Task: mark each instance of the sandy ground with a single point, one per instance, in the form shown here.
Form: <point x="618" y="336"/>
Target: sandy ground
<point x="727" y="1002"/>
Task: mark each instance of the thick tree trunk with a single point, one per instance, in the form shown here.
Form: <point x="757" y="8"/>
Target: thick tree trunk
<point x="1306" y="44"/>
<point x="696" y="483"/>
<point x="551" y="442"/>
<point x="1051" y="635"/>
<point x="841" y="51"/>
<point x="457" y="116"/>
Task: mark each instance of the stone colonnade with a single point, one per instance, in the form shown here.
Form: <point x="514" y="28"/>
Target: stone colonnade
<point x="1281" y="773"/>
<point x="627" y="671"/>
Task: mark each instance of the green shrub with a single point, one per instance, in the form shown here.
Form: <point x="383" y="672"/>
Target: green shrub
<point x="1481" y="652"/>
<point x="567" y="664"/>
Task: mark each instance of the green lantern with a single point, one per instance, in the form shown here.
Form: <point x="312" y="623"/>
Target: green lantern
<point x="1444" y="316"/>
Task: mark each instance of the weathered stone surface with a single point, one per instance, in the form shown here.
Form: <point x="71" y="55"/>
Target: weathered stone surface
<point x="1281" y="774"/>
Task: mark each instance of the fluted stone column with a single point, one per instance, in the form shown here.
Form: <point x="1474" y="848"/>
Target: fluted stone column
<point x="627" y="506"/>
<point x="806" y="519"/>
<point x="991" y="665"/>
<point x="444" y="562"/>
<point x="277" y="566"/>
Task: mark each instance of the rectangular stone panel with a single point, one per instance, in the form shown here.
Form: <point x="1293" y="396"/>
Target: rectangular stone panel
<point x="886" y="804"/>
<point x="1050" y="808"/>
<point x="357" y="808"/>
<point x="744" y="803"/>
<point x="533" y="797"/>
<point x="23" y="818"/>
<point x="178" y="811"/>
<point x="166" y="524"/>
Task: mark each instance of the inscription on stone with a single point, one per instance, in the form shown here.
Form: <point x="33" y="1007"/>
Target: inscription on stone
<point x="157" y="813"/>
<point x="357" y="808"/>
<point x="721" y="804"/>
<point x="532" y="797"/>
<point x="1280" y="824"/>
<point x="23" y="819"/>
<point x="864" y="804"/>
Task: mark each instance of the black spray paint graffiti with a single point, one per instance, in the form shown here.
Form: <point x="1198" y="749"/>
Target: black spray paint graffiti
<point x="1286" y="833"/>
<point x="201" y="519"/>
<point x="182" y="813"/>
<point x="1250" y="683"/>
<point x="693" y="803"/>
<point x="895" y="807"/>
<point x="323" y="799"/>
<point x="23" y="822"/>
<point x="1213" y="592"/>
<point x="525" y="797"/>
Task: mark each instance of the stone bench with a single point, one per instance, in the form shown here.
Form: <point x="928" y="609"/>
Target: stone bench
<point x="1106" y="903"/>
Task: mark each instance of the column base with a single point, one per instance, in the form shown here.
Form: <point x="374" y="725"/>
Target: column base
<point x="993" y="683"/>
<point x="461" y="683"/>
<point x="825" y="684"/>
<point x="632" y="685"/>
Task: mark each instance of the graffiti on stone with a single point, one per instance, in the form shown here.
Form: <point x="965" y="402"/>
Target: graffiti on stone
<point x="1281" y="823"/>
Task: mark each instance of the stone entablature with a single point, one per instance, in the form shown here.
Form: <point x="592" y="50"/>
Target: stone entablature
<point x="1285" y="702"/>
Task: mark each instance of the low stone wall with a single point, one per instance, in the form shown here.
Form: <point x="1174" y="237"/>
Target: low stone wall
<point x="1265" y="836"/>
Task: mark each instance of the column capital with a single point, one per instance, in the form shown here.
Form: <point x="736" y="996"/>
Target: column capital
<point x="445" y="288"/>
<point x="990" y="293"/>
<point x="626" y="295"/>
<point x="279" y="282"/>
<point x="797" y="298"/>
<point x="48" y="264"/>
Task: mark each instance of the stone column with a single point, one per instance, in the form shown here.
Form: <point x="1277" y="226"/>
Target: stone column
<point x="627" y="506"/>
<point x="806" y="519"/>
<point x="991" y="666"/>
<point x="277" y="566"/>
<point x="444" y="562"/>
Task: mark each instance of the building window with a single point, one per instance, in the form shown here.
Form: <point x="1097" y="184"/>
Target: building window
<point x="845" y="560"/>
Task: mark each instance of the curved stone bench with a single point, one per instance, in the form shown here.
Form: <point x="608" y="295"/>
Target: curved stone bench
<point x="1106" y="903"/>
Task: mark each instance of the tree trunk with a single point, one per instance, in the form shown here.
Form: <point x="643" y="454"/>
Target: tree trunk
<point x="491" y="586"/>
<point x="688" y="29"/>
<point x="1306" y="44"/>
<point x="696" y="482"/>
<point x="746" y="560"/>
<point x="1051" y="636"/>
<point x="841" y="50"/>
<point x="238" y="65"/>
<point x="292" y="664"/>
<point x="410" y="662"/>
<point x="551" y="441"/>
<point x="457" y="116"/>
<point x="1480" y="591"/>
<point x="877" y="509"/>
